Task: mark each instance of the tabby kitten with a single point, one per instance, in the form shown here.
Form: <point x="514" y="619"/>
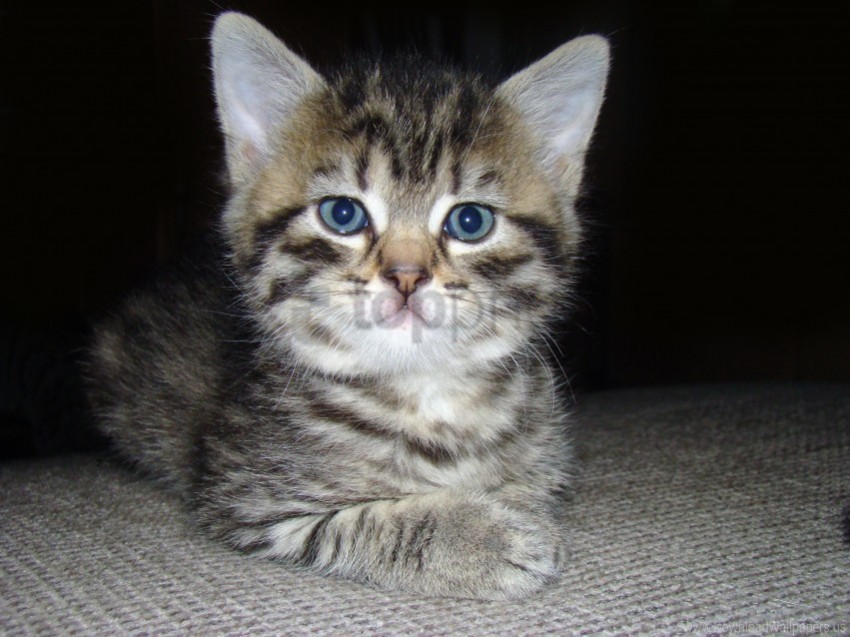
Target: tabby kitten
<point x="356" y="379"/>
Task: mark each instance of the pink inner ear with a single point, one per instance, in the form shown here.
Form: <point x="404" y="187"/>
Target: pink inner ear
<point x="250" y="111"/>
<point x="248" y="152"/>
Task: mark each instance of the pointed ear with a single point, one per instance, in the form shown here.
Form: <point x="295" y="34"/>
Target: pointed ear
<point x="259" y="83"/>
<point x="560" y="96"/>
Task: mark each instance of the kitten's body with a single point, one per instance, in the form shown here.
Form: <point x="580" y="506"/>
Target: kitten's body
<point x="374" y="403"/>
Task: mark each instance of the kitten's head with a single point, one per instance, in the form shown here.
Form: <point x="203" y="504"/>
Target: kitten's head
<point x="402" y="216"/>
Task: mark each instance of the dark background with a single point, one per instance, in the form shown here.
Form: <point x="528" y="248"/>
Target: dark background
<point x="716" y="194"/>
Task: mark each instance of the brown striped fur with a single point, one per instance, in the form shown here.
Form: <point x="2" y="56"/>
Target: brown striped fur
<point x="378" y="405"/>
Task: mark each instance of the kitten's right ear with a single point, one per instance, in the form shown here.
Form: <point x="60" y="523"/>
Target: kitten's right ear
<point x="259" y="83"/>
<point x="560" y="97"/>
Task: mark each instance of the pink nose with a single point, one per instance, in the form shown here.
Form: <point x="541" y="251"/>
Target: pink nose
<point x="406" y="278"/>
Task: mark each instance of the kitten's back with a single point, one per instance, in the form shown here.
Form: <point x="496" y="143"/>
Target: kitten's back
<point x="155" y="368"/>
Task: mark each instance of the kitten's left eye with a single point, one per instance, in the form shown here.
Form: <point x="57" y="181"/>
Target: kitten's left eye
<point x="343" y="215"/>
<point x="469" y="222"/>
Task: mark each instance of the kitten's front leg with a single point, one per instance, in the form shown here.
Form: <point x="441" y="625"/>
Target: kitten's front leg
<point x="444" y="543"/>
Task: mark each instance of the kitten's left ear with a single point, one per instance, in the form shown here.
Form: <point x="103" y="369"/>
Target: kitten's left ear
<point x="259" y="83"/>
<point x="560" y="96"/>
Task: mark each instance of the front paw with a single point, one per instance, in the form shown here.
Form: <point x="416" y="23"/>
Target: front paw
<point x="487" y="550"/>
<point x="523" y="552"/>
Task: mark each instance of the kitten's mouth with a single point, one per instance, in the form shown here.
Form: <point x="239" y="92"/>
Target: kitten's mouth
<point x="402" y="317"/>
<point x="402" y="313"/>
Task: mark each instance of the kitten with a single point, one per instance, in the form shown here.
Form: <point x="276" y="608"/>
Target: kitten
<point x="356" y="379"/>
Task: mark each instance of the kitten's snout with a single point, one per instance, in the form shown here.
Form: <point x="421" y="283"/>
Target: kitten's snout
<point x="406" y="277"/>
<point x="405" y="265"/>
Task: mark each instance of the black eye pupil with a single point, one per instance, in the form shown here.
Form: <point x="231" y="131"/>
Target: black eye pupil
<point x="343" y="211"/>
<point x="470" y="219"/>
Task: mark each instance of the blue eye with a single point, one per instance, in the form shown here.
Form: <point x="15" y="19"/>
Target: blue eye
<point x="469" y="222"/>
<point x="343" y="215"/>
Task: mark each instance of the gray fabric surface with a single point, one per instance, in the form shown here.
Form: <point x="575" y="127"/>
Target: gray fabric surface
<point x="703" y="510"/>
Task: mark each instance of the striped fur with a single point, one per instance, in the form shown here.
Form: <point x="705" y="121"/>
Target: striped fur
<point x="311" y="407"/>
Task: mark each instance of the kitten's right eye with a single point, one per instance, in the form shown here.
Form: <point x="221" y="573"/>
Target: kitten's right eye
<point x="469" y="222"/>
<point x="343" y="215"/>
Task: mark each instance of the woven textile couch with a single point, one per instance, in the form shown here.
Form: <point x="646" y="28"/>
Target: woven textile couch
<point x="696" y="510"/>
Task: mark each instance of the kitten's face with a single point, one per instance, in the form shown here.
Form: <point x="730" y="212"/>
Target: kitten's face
<point x="393" y="224"/>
